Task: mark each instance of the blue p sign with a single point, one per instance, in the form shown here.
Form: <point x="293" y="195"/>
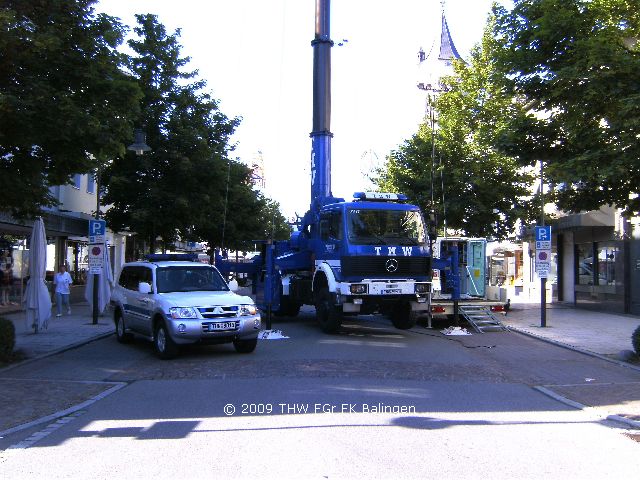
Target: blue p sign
<point x="97" y="228"/>
<point x="543" y="234"/>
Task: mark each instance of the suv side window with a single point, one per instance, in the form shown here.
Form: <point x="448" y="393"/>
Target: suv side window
<point x="125" y="278"/>
<point x="145" y="275"/>
<point x="130" y="277"/>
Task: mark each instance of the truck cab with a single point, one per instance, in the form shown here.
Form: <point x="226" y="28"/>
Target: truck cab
<point x="368" y="255"/>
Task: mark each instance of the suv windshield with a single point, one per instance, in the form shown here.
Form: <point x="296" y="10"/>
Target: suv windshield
<point x="386" y="227"/>
<point x="189" y="279"/>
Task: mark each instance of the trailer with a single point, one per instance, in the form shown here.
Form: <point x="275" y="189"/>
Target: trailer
<point x="472" y="301"/>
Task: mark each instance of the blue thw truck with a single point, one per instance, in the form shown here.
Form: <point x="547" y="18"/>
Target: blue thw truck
<point x="363" y="255"/>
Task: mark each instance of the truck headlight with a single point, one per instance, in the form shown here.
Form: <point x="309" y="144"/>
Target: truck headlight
<point x="182" y="312"/>
<point x="421" y="288"/>
<point x="247" y="310"/>
<point x="358" y="288"/>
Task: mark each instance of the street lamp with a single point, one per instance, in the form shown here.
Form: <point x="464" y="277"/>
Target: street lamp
<point x="139" y="146"/>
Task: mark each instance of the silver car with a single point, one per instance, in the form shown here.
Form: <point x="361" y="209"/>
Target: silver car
<point x="175" y="303"/>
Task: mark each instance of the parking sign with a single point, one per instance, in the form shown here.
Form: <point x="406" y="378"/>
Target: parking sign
<point x="97" y="231"/>
<point x="543" y="234"/>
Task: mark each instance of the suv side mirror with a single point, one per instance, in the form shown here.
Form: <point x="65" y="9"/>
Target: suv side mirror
<point x="233" y="285"/>
<point x="144" y="288"/>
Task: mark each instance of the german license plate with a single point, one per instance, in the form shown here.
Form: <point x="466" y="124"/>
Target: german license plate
<point x="222" y="326"/>
<point x="392" y="291"/>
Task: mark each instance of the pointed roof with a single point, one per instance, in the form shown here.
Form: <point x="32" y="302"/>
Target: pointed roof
<point x="447" y="48"/>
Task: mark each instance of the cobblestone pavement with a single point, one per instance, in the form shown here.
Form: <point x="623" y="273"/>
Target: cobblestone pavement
<point x="24" y="400"/>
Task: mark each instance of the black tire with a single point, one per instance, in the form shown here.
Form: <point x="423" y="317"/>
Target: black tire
<point x="635" y="340"/>
<point x="402" y="317"/>
<point x="288" y="308"/>
<point x="121" y="330"/>
<point x="328" y="315"/>
<point x="164" y="346"/>
<point x="245" y="346"/>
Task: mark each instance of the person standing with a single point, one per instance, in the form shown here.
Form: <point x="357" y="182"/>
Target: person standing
<point x="62" y="281"/>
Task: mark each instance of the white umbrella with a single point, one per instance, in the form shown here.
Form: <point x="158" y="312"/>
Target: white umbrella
<point x="37" y="299"/>
<point x="105" y="284"/>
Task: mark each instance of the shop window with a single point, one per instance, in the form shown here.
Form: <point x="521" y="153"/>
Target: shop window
<point x="607" y="256"/>
<point x="584" y="256"/>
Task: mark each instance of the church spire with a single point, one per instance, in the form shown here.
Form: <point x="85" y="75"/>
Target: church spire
<point x="448" y="50"/>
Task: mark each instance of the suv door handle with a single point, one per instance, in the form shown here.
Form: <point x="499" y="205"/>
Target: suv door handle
<point x="144" y="300"/>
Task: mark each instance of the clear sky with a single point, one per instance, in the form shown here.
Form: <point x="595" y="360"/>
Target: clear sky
<point x="256" y="57"/>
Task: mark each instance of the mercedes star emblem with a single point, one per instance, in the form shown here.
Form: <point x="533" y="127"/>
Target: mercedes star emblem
<point x="391" y="265"/>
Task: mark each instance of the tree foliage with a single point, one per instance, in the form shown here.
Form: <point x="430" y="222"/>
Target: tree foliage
<point x="478" y="190"/>
<point x="576" y="64"/>
<point x="65" y="103"/>
<point x="187" y="187"/>
<point x="166" y="191"/>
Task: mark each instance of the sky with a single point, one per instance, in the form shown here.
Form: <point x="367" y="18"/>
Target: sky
<point x="256" y="57"/>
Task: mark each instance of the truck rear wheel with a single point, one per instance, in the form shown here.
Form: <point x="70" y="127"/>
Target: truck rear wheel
<point x="328" y="315"/>
<point x="288" y="308"/>
<point x="402" y="316"/>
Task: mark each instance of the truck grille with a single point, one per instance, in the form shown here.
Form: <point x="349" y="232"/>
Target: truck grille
<point x="219" y="311"/>
<point x="374" y="266"/>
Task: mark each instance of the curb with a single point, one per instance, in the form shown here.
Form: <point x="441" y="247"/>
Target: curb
<point x="580" y="406"/>
<point x="571" y="347"/>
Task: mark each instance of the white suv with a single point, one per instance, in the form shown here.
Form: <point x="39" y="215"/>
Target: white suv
<point x="174" y="303"/>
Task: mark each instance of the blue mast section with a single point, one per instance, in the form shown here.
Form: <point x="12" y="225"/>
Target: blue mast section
<point x="321" y="133"/>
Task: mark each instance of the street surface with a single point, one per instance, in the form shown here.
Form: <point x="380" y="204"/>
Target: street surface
<point x="371" y="402"/>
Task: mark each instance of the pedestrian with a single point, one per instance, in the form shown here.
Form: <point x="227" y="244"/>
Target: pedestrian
<point x="62" y="280"/>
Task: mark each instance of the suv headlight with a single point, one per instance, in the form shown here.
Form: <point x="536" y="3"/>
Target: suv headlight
<point x="183" y="312"/>
<point x="247" y="310"/>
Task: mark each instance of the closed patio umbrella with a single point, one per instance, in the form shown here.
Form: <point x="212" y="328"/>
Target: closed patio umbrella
<point x="105" y="284"/>
<point x="37" y="299"/>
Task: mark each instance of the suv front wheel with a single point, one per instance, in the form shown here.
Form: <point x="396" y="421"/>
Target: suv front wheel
<point x="245" y="346"/>
<point x="164" y="346"/>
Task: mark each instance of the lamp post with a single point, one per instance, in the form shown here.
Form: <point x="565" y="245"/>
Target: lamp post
<point x="139" y="146"/>
<point x="543" y="280"/>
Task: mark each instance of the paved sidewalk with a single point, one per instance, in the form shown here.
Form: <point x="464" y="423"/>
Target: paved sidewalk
<point x="600" y="333"/>
<point x="62" y="333"/>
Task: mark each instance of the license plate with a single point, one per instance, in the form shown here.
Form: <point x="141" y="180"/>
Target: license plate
<point x="222" y="326"/>
<point x="391" y="291"/>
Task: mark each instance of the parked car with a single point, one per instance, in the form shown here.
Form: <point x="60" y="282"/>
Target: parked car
<point x="175" y="303"/>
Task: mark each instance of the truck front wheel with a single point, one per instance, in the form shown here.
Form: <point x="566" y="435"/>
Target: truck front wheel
<point x="402" y="316"/>
<point x="328" y="315"/>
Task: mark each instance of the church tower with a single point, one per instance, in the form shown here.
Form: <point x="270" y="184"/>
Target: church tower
<point x="438" y="62"/>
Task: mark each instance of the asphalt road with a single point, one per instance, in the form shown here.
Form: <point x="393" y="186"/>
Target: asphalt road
<point x="371" y="402"/>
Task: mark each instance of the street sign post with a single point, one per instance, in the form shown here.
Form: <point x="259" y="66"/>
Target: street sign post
<point x="543" y="265"/>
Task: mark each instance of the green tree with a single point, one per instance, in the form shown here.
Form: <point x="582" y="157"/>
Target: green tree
<point x="168" y="191"/>
<point x="240" y="215"/>
<point x="65" y="103"/>
<point x="465" y="179"/>
<point x="576" y="65"/>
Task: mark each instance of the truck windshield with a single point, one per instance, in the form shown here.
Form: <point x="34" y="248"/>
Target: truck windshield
<point x="386" y="227"/>
<point x="189" y="279"/>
